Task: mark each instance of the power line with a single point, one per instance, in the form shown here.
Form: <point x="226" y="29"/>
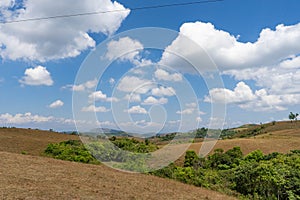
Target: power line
<point x="110" y="11"/>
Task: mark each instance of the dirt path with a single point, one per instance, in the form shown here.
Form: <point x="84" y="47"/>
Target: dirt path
<point x="33" y="177"/>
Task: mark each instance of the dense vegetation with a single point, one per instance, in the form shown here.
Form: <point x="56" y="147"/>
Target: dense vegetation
<point x="254" y="176"/>
<point x="124" y="153"/>
<point x="72" y="150"/>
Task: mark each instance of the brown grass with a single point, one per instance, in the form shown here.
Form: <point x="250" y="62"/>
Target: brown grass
<point x="275" y="140"/>
<point x="33" y="142"/>
<point x="33" y="177"/>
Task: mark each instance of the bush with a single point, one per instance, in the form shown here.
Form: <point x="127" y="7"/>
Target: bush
<point x="72" y="150"/>
<point x="255" y="176"/>
<point x="190" y="159"/>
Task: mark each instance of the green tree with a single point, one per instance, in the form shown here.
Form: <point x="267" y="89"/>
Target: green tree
<point x="190" y="158"/>
<point x="293" y="116"/>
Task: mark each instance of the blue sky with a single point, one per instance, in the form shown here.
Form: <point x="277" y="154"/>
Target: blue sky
<point x="254" y="45"/>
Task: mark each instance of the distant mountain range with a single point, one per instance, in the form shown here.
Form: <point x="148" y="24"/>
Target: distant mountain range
<point x="118" y="133"/>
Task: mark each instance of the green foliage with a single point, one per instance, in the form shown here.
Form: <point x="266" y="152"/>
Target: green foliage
<point x="201" y="132"/>
<point x="167" y="137"/>
<point x="134" y="145"/>
<point x="254" y="176"/>
<point x="227" y="133"/>
<point x="72" y="150"/>
<point x="293" y="116"/>
<point x="190" y="159"/>
<point x="124" y="153"/>
<point x="277" y="178"/>
<point x="255" y="156"/>
<point x="24" y="152"/>
<point x="223" y="161"/>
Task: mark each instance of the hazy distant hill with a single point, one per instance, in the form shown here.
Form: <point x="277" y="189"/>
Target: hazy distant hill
<point x="108" y="132"/>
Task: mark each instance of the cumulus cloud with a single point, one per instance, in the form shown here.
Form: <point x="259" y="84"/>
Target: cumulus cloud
<point x="163" y="91"/>
<point x="112" y="81"/>
<point x="198" y="119"/>
<point x="56" y="104"/>
<point x="99" y="96"/>
<point x="82" y="87"/>
<point x="283" y="78"/>
<point x="161" y="74"/>
<point x="127" y="49"/>
<point x="242" y="93"/>
<point x="37" y="76"/>
<point x="133" y="97"/>
<point x="227" y="52"/>
<point x="31" y="120"/>
<point x="56" y="38"/>
<point x="134" y="84"/>
<point x="93" y="108"/>
<point x="152" y="100"/>
<point x="136" y="110"/>
<point x="245" y="98"/>
<point x="190" y="108"/>
<point x="23" y="118"/>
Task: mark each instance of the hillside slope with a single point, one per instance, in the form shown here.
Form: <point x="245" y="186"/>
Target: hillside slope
<point x="33" y="142"/>
<point x="33" y="177"/>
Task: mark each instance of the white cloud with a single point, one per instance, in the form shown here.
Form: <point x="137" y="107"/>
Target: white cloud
<point x="99" y="96"/>
<point x="161" y="74"/>
<point x="93" y="108"/>
<point x="163" y="91"/>
<point x="191" y="105"/>
<point x="82" y="87"/>
<point x="134" y="84"/>
<point x="125" y="49"/>
<point x="23" y="118"/>
<point x="6" y="3"/>
<point x="191" y="108"/>
<point x="227" y="52"/>
<point x="291" y="63"/>
<point x="133" y="97"/>
<point x="31" y="120"/>
<point x="283" y="78"/>
<point x="245" y="98"/>
<point x="112" y="81"/>
<point x="242" y="93"/>
<point x="199" y="119"/>
<point x="56" y="104"/>
<point x="136" y="110"/>
<point x="187" y="111"/>
<point x="106" y="124"/>
<point x="152" y="100"/>
<point x="37" y="76"/>
<point x="56" y="38"/>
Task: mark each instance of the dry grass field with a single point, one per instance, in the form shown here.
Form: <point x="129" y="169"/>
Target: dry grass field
<point x="35" y="177"/>
<point x="281" y="137"/>
<point x="33" y="142"/>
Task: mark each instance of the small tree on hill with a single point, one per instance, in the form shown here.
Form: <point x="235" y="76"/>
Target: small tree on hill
<point x="293" y="116"/>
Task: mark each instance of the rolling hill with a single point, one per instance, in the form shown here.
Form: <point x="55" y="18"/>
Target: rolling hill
<point x="36" y="177"/>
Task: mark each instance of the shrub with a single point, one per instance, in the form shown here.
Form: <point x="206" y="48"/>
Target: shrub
<point x="72" y="150"/>
<point x="190" y="159"/>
